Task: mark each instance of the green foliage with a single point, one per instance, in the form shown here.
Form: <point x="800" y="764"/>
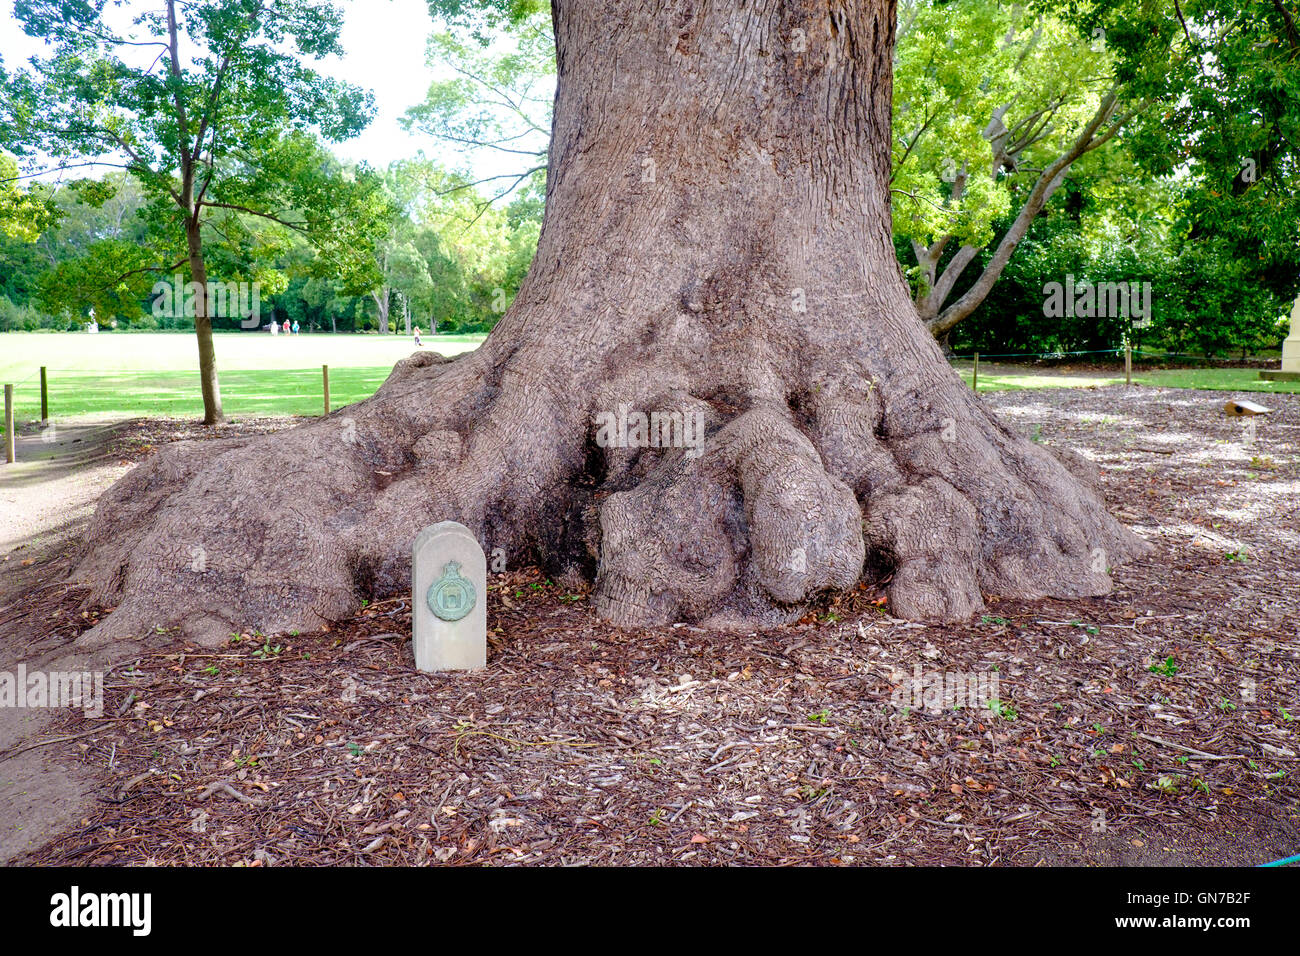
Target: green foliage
<point x="21" y="318"/>
<point x="1012" y="319"/>
<point x="1115" y="225"/>
<point x="25" y="213"/>
<point x="1166" y="668"/>
<point x="483" y="17"/>
<point x="1001" y="708"/>
<point x="496" y="99"/>
<point x="1224" y="78"/>
<point x="983" y="91"/>
<point x="113" y="277"/>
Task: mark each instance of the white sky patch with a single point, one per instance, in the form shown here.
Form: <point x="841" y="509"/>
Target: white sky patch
<point x="384" y="49"/>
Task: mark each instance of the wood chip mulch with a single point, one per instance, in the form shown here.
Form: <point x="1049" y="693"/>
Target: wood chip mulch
<point x="1164" y="713"/>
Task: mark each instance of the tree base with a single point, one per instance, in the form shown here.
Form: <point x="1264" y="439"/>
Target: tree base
<point x="786" y="504"/>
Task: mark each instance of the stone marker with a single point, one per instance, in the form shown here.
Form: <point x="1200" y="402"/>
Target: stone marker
<point x="1291" y="347"/>
<point x="448" y="599"/>
<point x="1290" y="370"/>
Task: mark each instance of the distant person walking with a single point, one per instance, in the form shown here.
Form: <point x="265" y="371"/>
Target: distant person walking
<point x="286" y="326"/>
<point x="417" y="337"/>
<point x="275" y="327"/>
<point x="295" y="326"/>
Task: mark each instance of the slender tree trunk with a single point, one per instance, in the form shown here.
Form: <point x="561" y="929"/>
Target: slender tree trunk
<point x="716" y="247"/>
<point x="212" y="413"/>
<point x="380" y="299"/>
<point x="940" y="319"/>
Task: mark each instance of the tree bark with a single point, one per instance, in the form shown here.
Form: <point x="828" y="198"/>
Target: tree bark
<point x="208" y="382"/>
<point x="716" y="242"/>
<point x="188" y="203"/>
<point x="380" y="299"/>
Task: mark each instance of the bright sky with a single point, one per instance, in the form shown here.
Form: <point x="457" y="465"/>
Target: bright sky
<point x="384" y="44"/>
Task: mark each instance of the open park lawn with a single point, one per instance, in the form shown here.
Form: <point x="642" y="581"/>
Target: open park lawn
<point x="116" y="374"/>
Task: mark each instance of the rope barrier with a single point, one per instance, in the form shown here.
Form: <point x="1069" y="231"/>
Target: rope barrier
<point x="1209" y="358"/>
<point x="1051" y="355"/>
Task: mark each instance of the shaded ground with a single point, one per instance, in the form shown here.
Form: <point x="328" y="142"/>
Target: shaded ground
<point x="46" y="497"/>
<point x="1152" y="726"/>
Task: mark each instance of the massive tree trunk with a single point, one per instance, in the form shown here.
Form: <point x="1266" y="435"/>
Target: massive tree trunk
<point x="716" y="242"/>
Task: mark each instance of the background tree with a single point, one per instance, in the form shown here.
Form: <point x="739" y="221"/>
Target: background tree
<point x="994" y="105"/>
<point x="404" y="277"/>
<point x="1227" y="76"/>
<point x="1108" y="222"/>
<point x="494" y="108"/>
<point x="214" y="124"/>
<point x="400" y="268"/>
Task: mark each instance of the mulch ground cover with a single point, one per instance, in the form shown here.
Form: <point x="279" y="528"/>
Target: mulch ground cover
<point x="1156" y="724"/>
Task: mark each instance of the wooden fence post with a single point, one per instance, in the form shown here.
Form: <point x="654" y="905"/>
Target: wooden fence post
<point x="325" y="376"/>
<point x="975" y="374"/>
<point x="9" y="424"/>
<point x="1128" y="364"/>
<point x="45" y="401"/>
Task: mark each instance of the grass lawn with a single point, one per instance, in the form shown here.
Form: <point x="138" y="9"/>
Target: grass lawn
<point x="115" y="374"/>
<point x="1217" y="379"/>
<point x="997" y="377"/>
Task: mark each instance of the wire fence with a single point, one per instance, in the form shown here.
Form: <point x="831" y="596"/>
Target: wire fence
<point x="1160" y="354"/>
<point x="48" y="393"/>
<point x="302" y="391"/>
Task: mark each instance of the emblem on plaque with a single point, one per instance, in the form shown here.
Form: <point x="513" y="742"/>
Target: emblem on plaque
<point x="451" y="597"/>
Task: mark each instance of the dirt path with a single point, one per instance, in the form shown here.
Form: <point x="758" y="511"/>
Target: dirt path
<point x="46" y="497"/>
<point x="53" y="485"/>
